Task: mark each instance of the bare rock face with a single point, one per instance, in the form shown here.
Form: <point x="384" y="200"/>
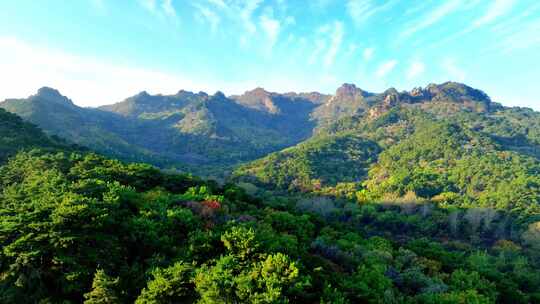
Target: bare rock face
<point x="258" y="99"/>
<point x="391" y="98"/>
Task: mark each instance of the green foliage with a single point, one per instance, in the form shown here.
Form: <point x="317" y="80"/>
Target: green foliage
<point x="175" y="239"/>
<point x="16" y="135"/>
<point x="240" y="242"/>
<point x="103" y="289"/>
<point x="168" y="285"/>
<point x="315" y="163"/>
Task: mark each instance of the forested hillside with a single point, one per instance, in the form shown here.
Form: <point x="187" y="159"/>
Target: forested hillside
<point x="17" y="135"/>
<point x="85" y="228"/>
<point x="473" y="153"/>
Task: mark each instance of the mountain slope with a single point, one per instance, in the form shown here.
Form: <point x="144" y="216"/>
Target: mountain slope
<point x="17" y="135"/>
<point x="324" y="160"/>
<point x="456" y="147"/>
<point x="180" y="130"/>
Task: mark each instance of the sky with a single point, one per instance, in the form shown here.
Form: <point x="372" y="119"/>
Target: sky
<point x="101" y="51"/>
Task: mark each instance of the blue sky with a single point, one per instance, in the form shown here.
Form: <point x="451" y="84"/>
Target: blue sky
<point x="101" y="51"/>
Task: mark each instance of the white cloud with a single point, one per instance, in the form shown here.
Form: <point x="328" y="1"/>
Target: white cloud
<point x="246" y="13"/>
<point x="495" y="10"/>
<point x="523" y="37"/>
<point x="238" y="12"/>
<point x="386" y="68"/>
<point x="415" y="69"/>
<point x="368" y="53"/>
<point x="412" y="10"/>
<point x="362" y="10"/>
<point x="328" y="39"/>
<point x="320" y="44"/>
<point x="320" y="4"/>
<point x="335" y="43"/>
<point x="168" y="8"/>
<point x="88" y="81"/>
<point x="453" y="71"/>
<point x="352" y="49"/>
<point x="161" y="8"/>
<point x="290" y="20"/>
<point x="270" y="26"/>
<point x="149" y="5"/>
<point x="207" y="15"/>
<point x="433" y="17"/>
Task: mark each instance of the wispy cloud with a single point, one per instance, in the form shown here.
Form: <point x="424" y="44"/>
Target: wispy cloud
<point x="361" y="10"/>
<point x="524" y="37"/>
<point x="368" y="53"/>
<point x="335" y="44"/>
<point x="385" y="68"/>
<point x="246" y="13"/>
<point x="351" y="49"/>
<point x="207" y="15"/>
<point x="453" y="70"/>
<point x="495" y="10"/>
<point x="417" y="8"/>
<point x="433" y="17"/>
<point x="162" y="8"/>
<point x="416" y="69"/>
<point x="149" y="5"/>
<point x="270" y="26"/>
<point x="168" y="8"/>
<point x="320" y="44"/>
<point x="238" y="12"/>
<point x="320" y="4"/>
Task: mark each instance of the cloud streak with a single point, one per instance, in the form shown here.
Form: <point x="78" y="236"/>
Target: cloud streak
<point x="416" y="69"/>
<point x="162" y="8"/>
<point x="362" y="10"/>
<point x="497" y="9"/>
<point x="453" y="71"/>
<point x="207" y="15"/>
<point x="368" y="53"/>
<point x="433" y="17"/>
<point x="270" y="26"/>
<point x="335" y="43"/>
<point x="386" y="68"/>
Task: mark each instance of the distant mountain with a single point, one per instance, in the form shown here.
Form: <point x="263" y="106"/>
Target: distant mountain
<point x="210" y="133"/>
<point x="447" y="139"/>
<point x="186" y="130"/>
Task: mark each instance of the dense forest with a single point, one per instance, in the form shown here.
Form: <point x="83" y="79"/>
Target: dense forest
<point x="405" y="201"/>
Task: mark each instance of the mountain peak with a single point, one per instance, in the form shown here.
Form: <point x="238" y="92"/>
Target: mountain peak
<point x="258" y="91"/>
<point x="53" y="95"/>
<point x="48" y="92"/>
<point x="258" y="99"/>
<point x="219" y="95"/>
<point x="350" y="90"/>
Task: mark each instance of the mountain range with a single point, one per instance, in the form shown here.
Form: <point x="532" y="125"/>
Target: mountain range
<point x="289" y="140"/>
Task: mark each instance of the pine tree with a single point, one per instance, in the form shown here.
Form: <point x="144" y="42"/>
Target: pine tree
<point x="103" y="289"/>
